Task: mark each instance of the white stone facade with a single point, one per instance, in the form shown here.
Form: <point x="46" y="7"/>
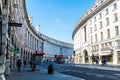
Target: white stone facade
<point x="54" y="47"/>
<point x="98" y="33"/>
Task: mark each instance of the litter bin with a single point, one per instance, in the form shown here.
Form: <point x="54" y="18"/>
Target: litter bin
<point x="50" y="69"/>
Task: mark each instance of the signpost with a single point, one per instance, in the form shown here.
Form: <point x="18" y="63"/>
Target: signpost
<point x="14" y="24"/>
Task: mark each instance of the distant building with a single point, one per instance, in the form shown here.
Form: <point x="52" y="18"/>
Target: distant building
<point x="54" y="47"/>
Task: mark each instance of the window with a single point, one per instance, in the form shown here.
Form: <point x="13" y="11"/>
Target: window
<point x="108" y="33"/>
<point x="116" y="30"/>
<point x="91" y="39"/>
<point x="97" y="47"/>
<point x="114" y="6"/>
<point x="100" y="24"/>
<point x="90" y="29"/>
<point x="115" y="17"/>
<point x="102" y="45"/>
<point x="100" y="15"/>
<point x="107" y="21"/>
<point x="95" y="37"/>
<point x="106" y="45"/>
<point x="94" y="19"/>
<point x="106" y="11"/>
<point x="90" y="22"/>
<point x="85" y="34"/>
<point x="95" y="27"/>
<point x="6" y="2"/>
<point x="101" y="35"/>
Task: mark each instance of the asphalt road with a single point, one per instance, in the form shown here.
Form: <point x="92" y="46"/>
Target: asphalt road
<point x="89" y="73"/>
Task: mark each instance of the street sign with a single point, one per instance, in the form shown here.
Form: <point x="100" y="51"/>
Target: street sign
<point x="16" y="51"/>
<point x="15" y="24"/>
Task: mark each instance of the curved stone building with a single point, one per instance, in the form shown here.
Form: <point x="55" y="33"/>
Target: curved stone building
<point x="98" y="34"/>
<point x="54" y="47"/>
<point x="19" y="39"/>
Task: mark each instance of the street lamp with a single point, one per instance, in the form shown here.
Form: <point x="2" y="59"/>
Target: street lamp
<point x="74" y="56"/>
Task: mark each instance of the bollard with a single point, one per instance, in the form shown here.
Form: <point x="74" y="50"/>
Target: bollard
<point x="50" y="69"/>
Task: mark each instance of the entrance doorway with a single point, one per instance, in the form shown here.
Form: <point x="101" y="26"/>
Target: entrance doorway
<point x="86" y="56"/>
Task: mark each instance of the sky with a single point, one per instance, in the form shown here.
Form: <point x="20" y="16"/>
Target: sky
<point x="57" y="18"/>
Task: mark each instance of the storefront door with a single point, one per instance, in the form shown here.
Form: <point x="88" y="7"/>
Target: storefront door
<point x="118" y="57"/>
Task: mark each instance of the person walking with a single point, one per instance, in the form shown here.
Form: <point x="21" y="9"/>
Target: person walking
<point x="24" y="62"/>
<point x="19" y="62"/>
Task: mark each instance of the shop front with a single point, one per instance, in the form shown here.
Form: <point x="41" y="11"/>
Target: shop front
<point x="106" y="58"/>
<point x="36" y="60"/>
<point x="118" y="53"/>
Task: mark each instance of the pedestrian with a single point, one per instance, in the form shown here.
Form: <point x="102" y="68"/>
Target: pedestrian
<point x="30" y="63"/>
<point x="93" y="59"/>
<point x="24" y="62"/>
<point x="102" y="61"/>
<point x="19" y="65"/>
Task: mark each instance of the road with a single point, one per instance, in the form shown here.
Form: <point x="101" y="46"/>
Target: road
<point x="89" y="73"/>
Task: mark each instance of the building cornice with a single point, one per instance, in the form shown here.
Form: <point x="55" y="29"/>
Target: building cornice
<point x="56" y="42"/>
<point x="27" y="20"/>
<point x="90" y="14"/>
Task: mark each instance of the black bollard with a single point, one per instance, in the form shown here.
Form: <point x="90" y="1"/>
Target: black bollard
<point x="50" y="69"/>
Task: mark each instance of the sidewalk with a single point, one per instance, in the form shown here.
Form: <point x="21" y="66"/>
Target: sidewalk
<point x="26" y="74"/>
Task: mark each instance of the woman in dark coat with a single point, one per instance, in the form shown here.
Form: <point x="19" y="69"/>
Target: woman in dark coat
<point x="19" y="62"/>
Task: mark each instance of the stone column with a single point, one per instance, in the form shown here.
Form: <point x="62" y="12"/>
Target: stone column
<point x="115" y="56"/>
<point x="4" y="18"/>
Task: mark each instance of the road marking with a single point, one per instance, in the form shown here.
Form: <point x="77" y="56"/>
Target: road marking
<point x="95" y="74"/>
<point x="117" y="74"/>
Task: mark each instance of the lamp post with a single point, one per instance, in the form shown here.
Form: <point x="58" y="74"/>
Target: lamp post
<point x="74" y="57"/>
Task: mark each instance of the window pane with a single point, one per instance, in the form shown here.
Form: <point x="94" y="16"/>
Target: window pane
<point x="116" y="30"/>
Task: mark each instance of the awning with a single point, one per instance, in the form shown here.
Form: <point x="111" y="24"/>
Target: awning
<point x="39" y="54"/>
<point x="105" y="54"/>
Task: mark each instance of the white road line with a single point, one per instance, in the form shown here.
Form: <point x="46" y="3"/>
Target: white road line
<point x="117" y="74"/>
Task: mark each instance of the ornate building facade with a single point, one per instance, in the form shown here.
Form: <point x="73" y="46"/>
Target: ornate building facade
<point x="19" y="39"/>
<point x="97" y="33"/>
